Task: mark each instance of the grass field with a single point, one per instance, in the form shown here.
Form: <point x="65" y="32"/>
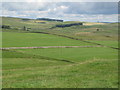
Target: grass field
<point x="108" y="43"/>
<point x="88" y="67"/>
<point x="36" y="39"/>
<point x="47" y="68"/>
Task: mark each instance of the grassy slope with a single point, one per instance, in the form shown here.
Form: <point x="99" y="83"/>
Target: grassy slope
<point x="108" y="43"/>
<point x="108" y="34"/>
<point x="19" y="23"/>
<point x="91" y="68"/>
<point x="75" y="54"/>
<point x="96" y="74"/>
<point x="34" y="39"/>
<point x="49" y="68"/>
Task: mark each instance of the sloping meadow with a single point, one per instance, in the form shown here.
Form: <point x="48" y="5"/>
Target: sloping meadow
<point x="66" y="67"/>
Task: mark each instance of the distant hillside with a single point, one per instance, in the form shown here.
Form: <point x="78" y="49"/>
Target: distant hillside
<point x="48" y="19"/>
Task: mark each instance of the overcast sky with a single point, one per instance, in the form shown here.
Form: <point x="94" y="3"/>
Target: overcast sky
<point x="76" y="11"/>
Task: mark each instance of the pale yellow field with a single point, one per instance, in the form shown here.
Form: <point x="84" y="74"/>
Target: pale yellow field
<point x="92" y="23"/>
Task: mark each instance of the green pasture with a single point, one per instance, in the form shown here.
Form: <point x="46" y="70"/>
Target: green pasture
<point x="106" y="32"/>
<point x="74" y="54"/>
<point x="49" y="68"/>
<point x="108" y="43"/>
<point x="13" y="39"/>
<point x="90" y="67"/>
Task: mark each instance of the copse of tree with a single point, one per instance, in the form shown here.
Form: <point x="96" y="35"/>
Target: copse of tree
<point x="48" y="19"/>
<point x="5" y="27"/>
<point x="25" y="19"/>
<point x="26" y="29"/>
<point x="68" y="25"/>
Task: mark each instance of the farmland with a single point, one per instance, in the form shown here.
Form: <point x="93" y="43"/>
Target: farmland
<point x="82" y="67"/>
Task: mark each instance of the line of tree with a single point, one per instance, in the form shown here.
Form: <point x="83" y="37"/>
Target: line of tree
<point x="5" y="27"/>
<point x="48" y="19"/>
<point x="68" y="25"/>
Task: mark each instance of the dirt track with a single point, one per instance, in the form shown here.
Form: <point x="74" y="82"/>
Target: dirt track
<point x="7" y="48"/>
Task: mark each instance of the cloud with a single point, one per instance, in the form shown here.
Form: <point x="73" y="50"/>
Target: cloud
<point x="62" y="10"/>
<point x="21" y="6"/>
<point x="72" y="7"/>
<point x="59" y="1"/>
<point x="93" y="17"/>
<point x="93" y="8"/>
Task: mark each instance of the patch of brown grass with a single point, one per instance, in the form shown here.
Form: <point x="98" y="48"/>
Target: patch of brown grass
<point x="83" y="33"/>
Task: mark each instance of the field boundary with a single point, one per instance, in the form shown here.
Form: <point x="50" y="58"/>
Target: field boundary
<point x="8" y="48"/>
<point x="78" y="39"/>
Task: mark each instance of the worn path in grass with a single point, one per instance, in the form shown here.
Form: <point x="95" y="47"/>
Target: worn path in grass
<point x="47" y="47"/>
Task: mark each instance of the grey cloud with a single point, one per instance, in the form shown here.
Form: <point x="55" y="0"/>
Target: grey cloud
<point x="60" y="10"/>
<point x="22" y="6"/>
<point x="93" y="8"/>
<point x="73" y="7"/>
